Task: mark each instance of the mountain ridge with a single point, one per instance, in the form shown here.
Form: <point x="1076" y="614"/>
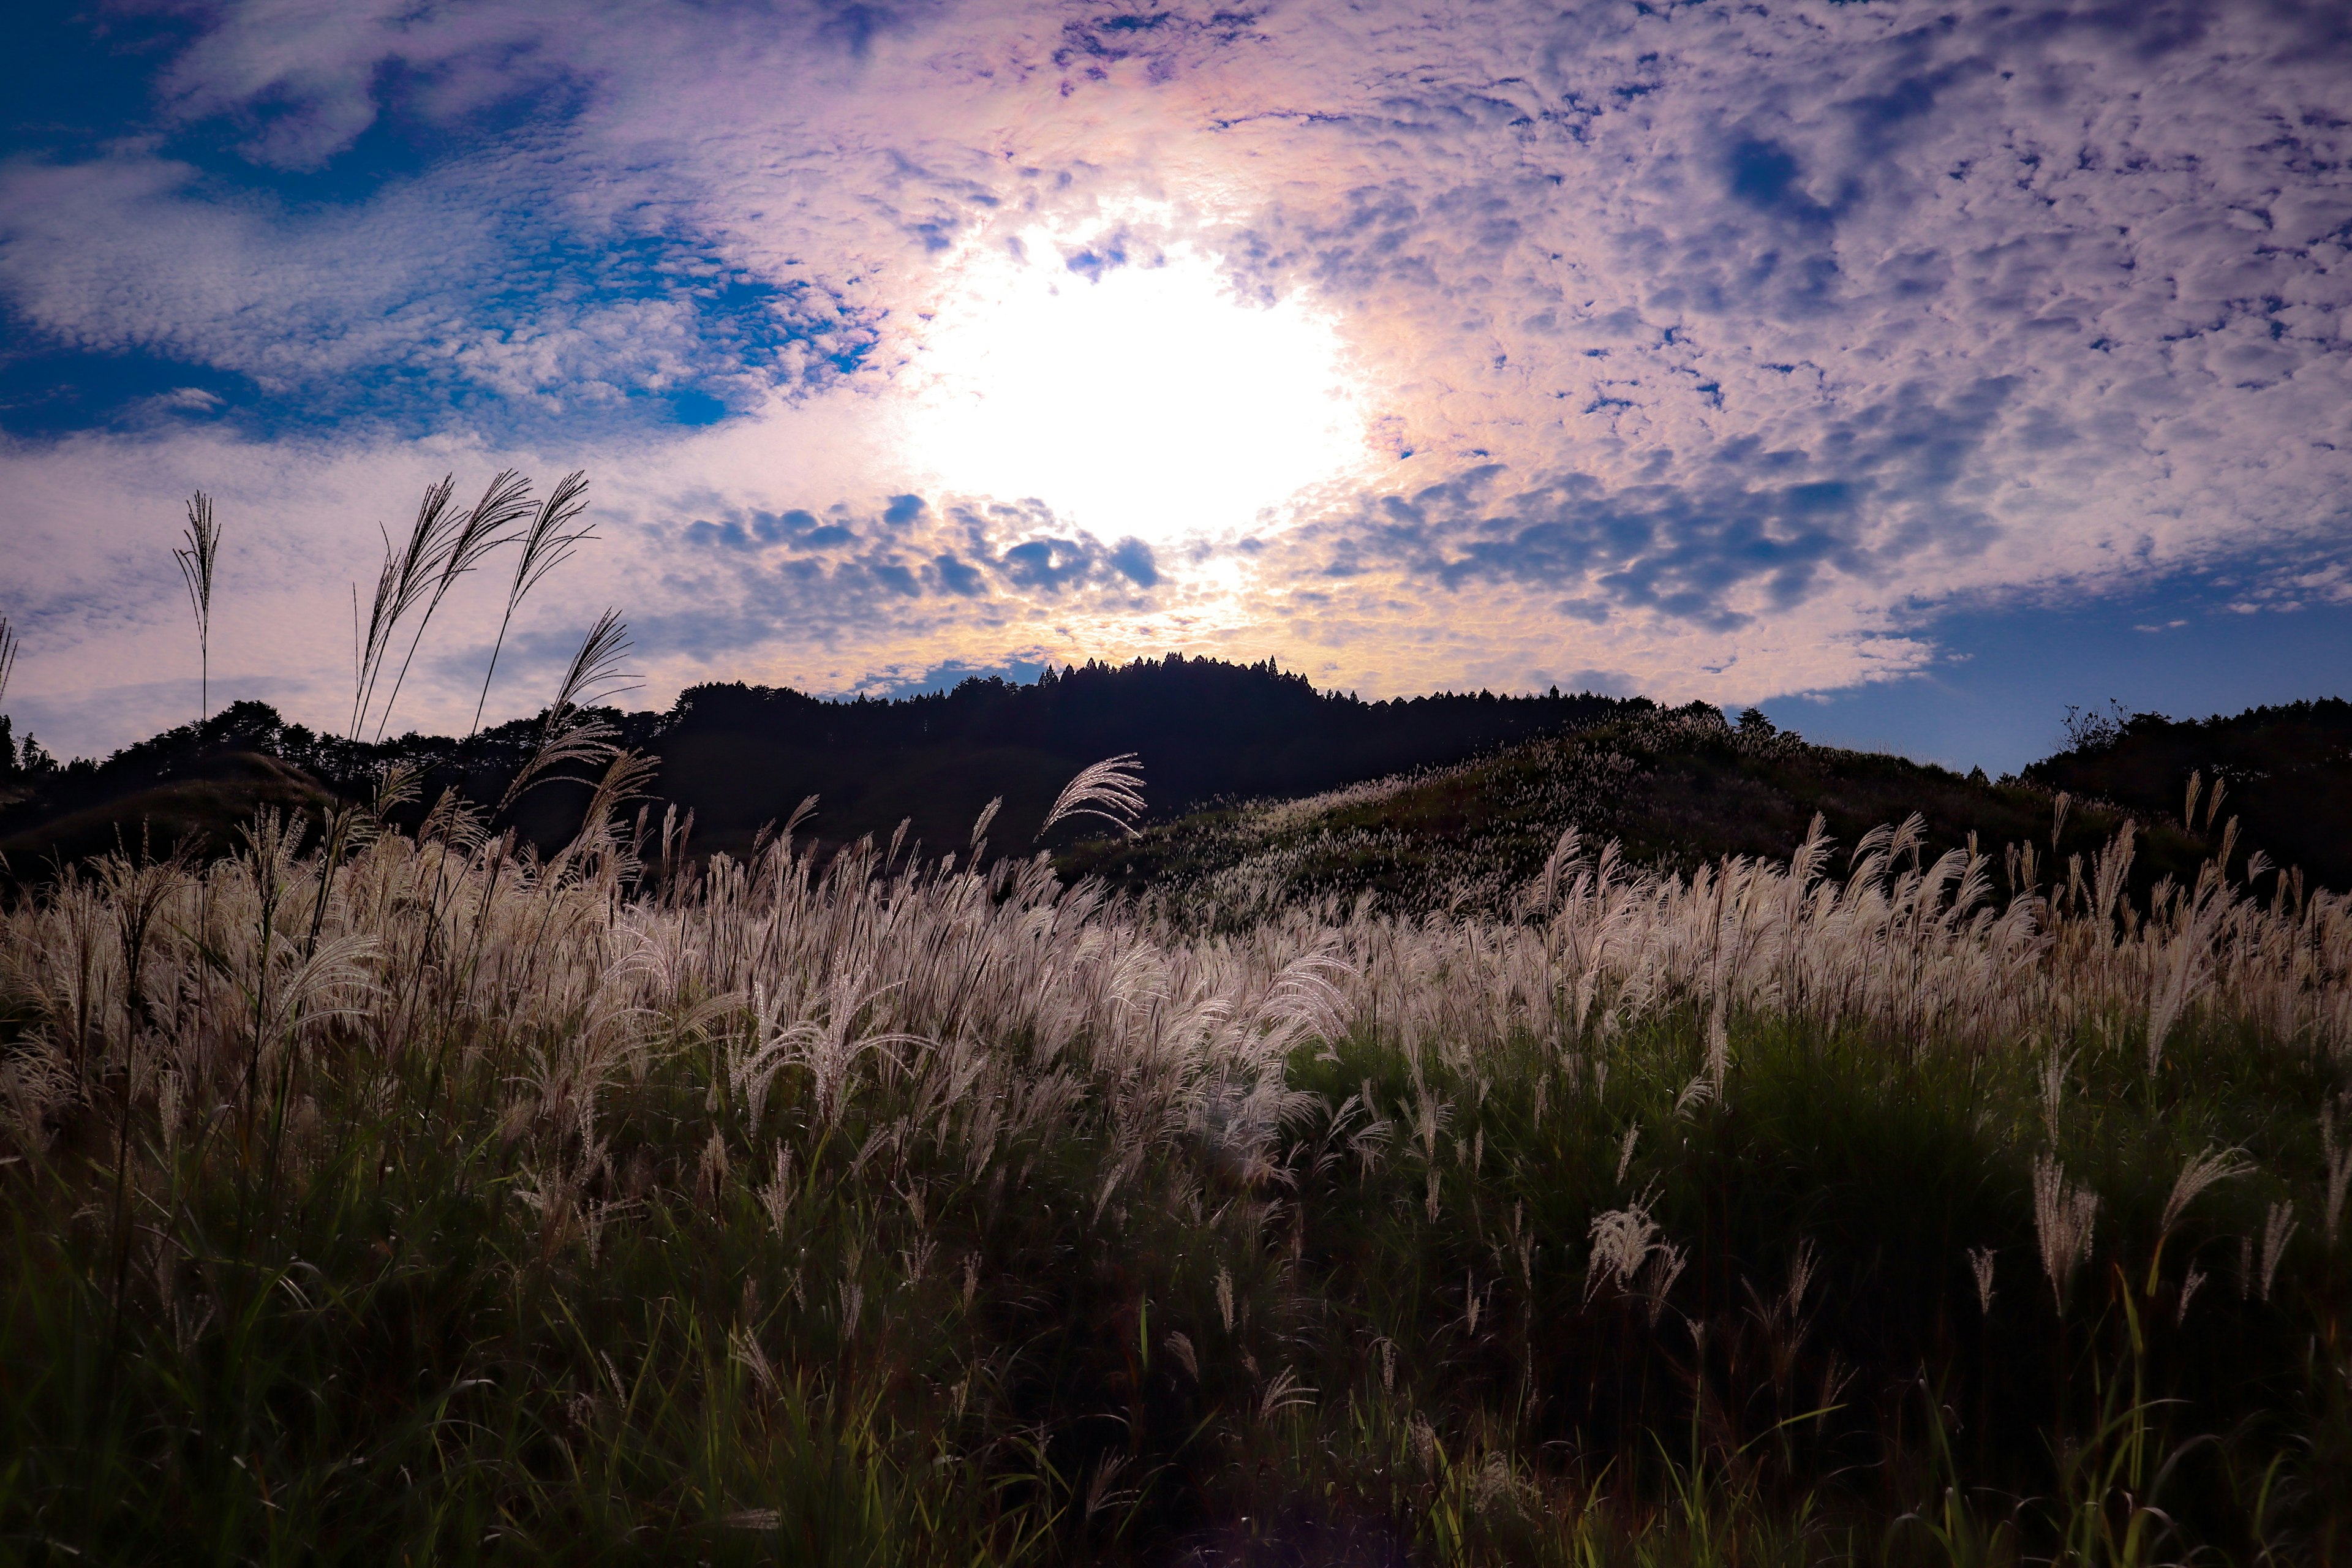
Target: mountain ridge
<point x="1424" y="776"/>
<point x="740" y="757"/>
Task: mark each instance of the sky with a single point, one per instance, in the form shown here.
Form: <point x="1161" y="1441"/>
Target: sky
<point x="1910" y="370"/>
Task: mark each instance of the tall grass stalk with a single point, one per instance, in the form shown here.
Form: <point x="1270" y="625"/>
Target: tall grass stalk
<point x="472" y="539"/>
<point x="443" y="544"/>
<point x="8" y="655"/>
<point x="570" y="733"/>
<point x="547" y="543"/>
<point x="407" y="574"/>
<point x="196" y="561"/>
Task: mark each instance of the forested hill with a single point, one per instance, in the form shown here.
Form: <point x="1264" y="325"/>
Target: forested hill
<point x="2286" y="774"/>
<point x="744" y="756"/>
<point x="741" y="756"/>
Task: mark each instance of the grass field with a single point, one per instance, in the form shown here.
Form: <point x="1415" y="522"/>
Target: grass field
<point x="391" y="1197"/>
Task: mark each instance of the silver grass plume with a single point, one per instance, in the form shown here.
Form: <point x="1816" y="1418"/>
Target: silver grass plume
<point x="1622" y="1240"/>
<point x="2053" y="1088"/>
<point x="1111" y="789"/>
<point x="196" y="561"/>
<point x="979" y="825"/>
<point x="547" y="543"/>
<point x="1981" y="1262"/>
<point x="2278" y="1229"/>
<point x="570" y="733"/>
<point x="469" y="540"/>
<point x="628" y="775"/>
<point x="2063" y="1217"/>
<point x="2213" y="1167"/>
<point x="407" y="575"/>
<point x="2338" y="1160"/>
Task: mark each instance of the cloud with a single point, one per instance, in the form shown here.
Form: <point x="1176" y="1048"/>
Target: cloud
<point x="1708" y="349"/>
<point x="427" y="303"/>
<point x="847" y="575"/>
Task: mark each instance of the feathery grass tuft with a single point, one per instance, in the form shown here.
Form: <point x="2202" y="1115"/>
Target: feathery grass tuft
<point x="572" y="733"/>
<point x="1110" y="790"/>
<point x="471" y="539"/>
<point x="547" y="543"/>
<point x="196" y="561"/>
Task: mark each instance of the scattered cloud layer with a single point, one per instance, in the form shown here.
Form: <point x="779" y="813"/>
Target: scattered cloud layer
<point x="1705" y="349"/>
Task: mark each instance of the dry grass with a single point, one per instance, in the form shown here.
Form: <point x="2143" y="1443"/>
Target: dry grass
<point x="378" y="1188"/>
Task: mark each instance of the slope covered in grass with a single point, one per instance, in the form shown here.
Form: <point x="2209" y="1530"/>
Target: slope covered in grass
<point x="412" y="1197"/>
<point x="743" y="757"/>
<point x="1677" y="789"/>
<point x="1424" y="799"/>
<point x="198" y="809"/>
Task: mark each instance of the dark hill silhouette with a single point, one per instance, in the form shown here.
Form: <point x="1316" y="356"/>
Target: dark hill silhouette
<point x="1212" y="734"/>
<point x="740" y="757"/>
<point x="2288" y="772"/>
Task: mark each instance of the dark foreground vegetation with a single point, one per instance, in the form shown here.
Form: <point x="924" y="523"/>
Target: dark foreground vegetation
<point x="378" y="1195"/>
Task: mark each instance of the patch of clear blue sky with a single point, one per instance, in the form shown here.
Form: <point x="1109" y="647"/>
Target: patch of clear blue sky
<point x="1998" y="699"/>
<point x="75" y="81"/>
<point x="955" y="672"/>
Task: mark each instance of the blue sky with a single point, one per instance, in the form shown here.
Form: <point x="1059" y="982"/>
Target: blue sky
<point x="1911" y="370"/>
<point x="1997" y="698"/>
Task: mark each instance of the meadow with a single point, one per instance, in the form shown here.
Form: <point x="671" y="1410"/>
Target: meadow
<point x="409" y="1195"/>
<point x="400" y="1186"/>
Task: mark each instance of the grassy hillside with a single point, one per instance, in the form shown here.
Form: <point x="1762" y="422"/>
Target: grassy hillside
<point x="412" y="1199"/>
<point x="744" y="757"/>
<point x="199" y="810"/>
<point x="1428" y="800"/>
<point x="1678" y="789"/>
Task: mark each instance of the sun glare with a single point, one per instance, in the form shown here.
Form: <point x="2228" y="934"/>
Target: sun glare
<point x="1135" y="399"/>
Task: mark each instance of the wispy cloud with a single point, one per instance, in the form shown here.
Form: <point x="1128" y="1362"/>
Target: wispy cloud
<point x="1704" y="348"/>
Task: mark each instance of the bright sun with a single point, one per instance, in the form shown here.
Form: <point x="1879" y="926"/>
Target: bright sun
<point x="1144" y="400"/>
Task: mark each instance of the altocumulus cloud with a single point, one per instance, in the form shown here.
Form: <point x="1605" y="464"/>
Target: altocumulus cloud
<point x="842" y="569"/>
<point x="1704" y="345"/>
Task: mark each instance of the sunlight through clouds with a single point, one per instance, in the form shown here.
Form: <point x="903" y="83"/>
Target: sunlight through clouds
<point x="1134" y="397"/>
<point x="1699" y="350"/>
